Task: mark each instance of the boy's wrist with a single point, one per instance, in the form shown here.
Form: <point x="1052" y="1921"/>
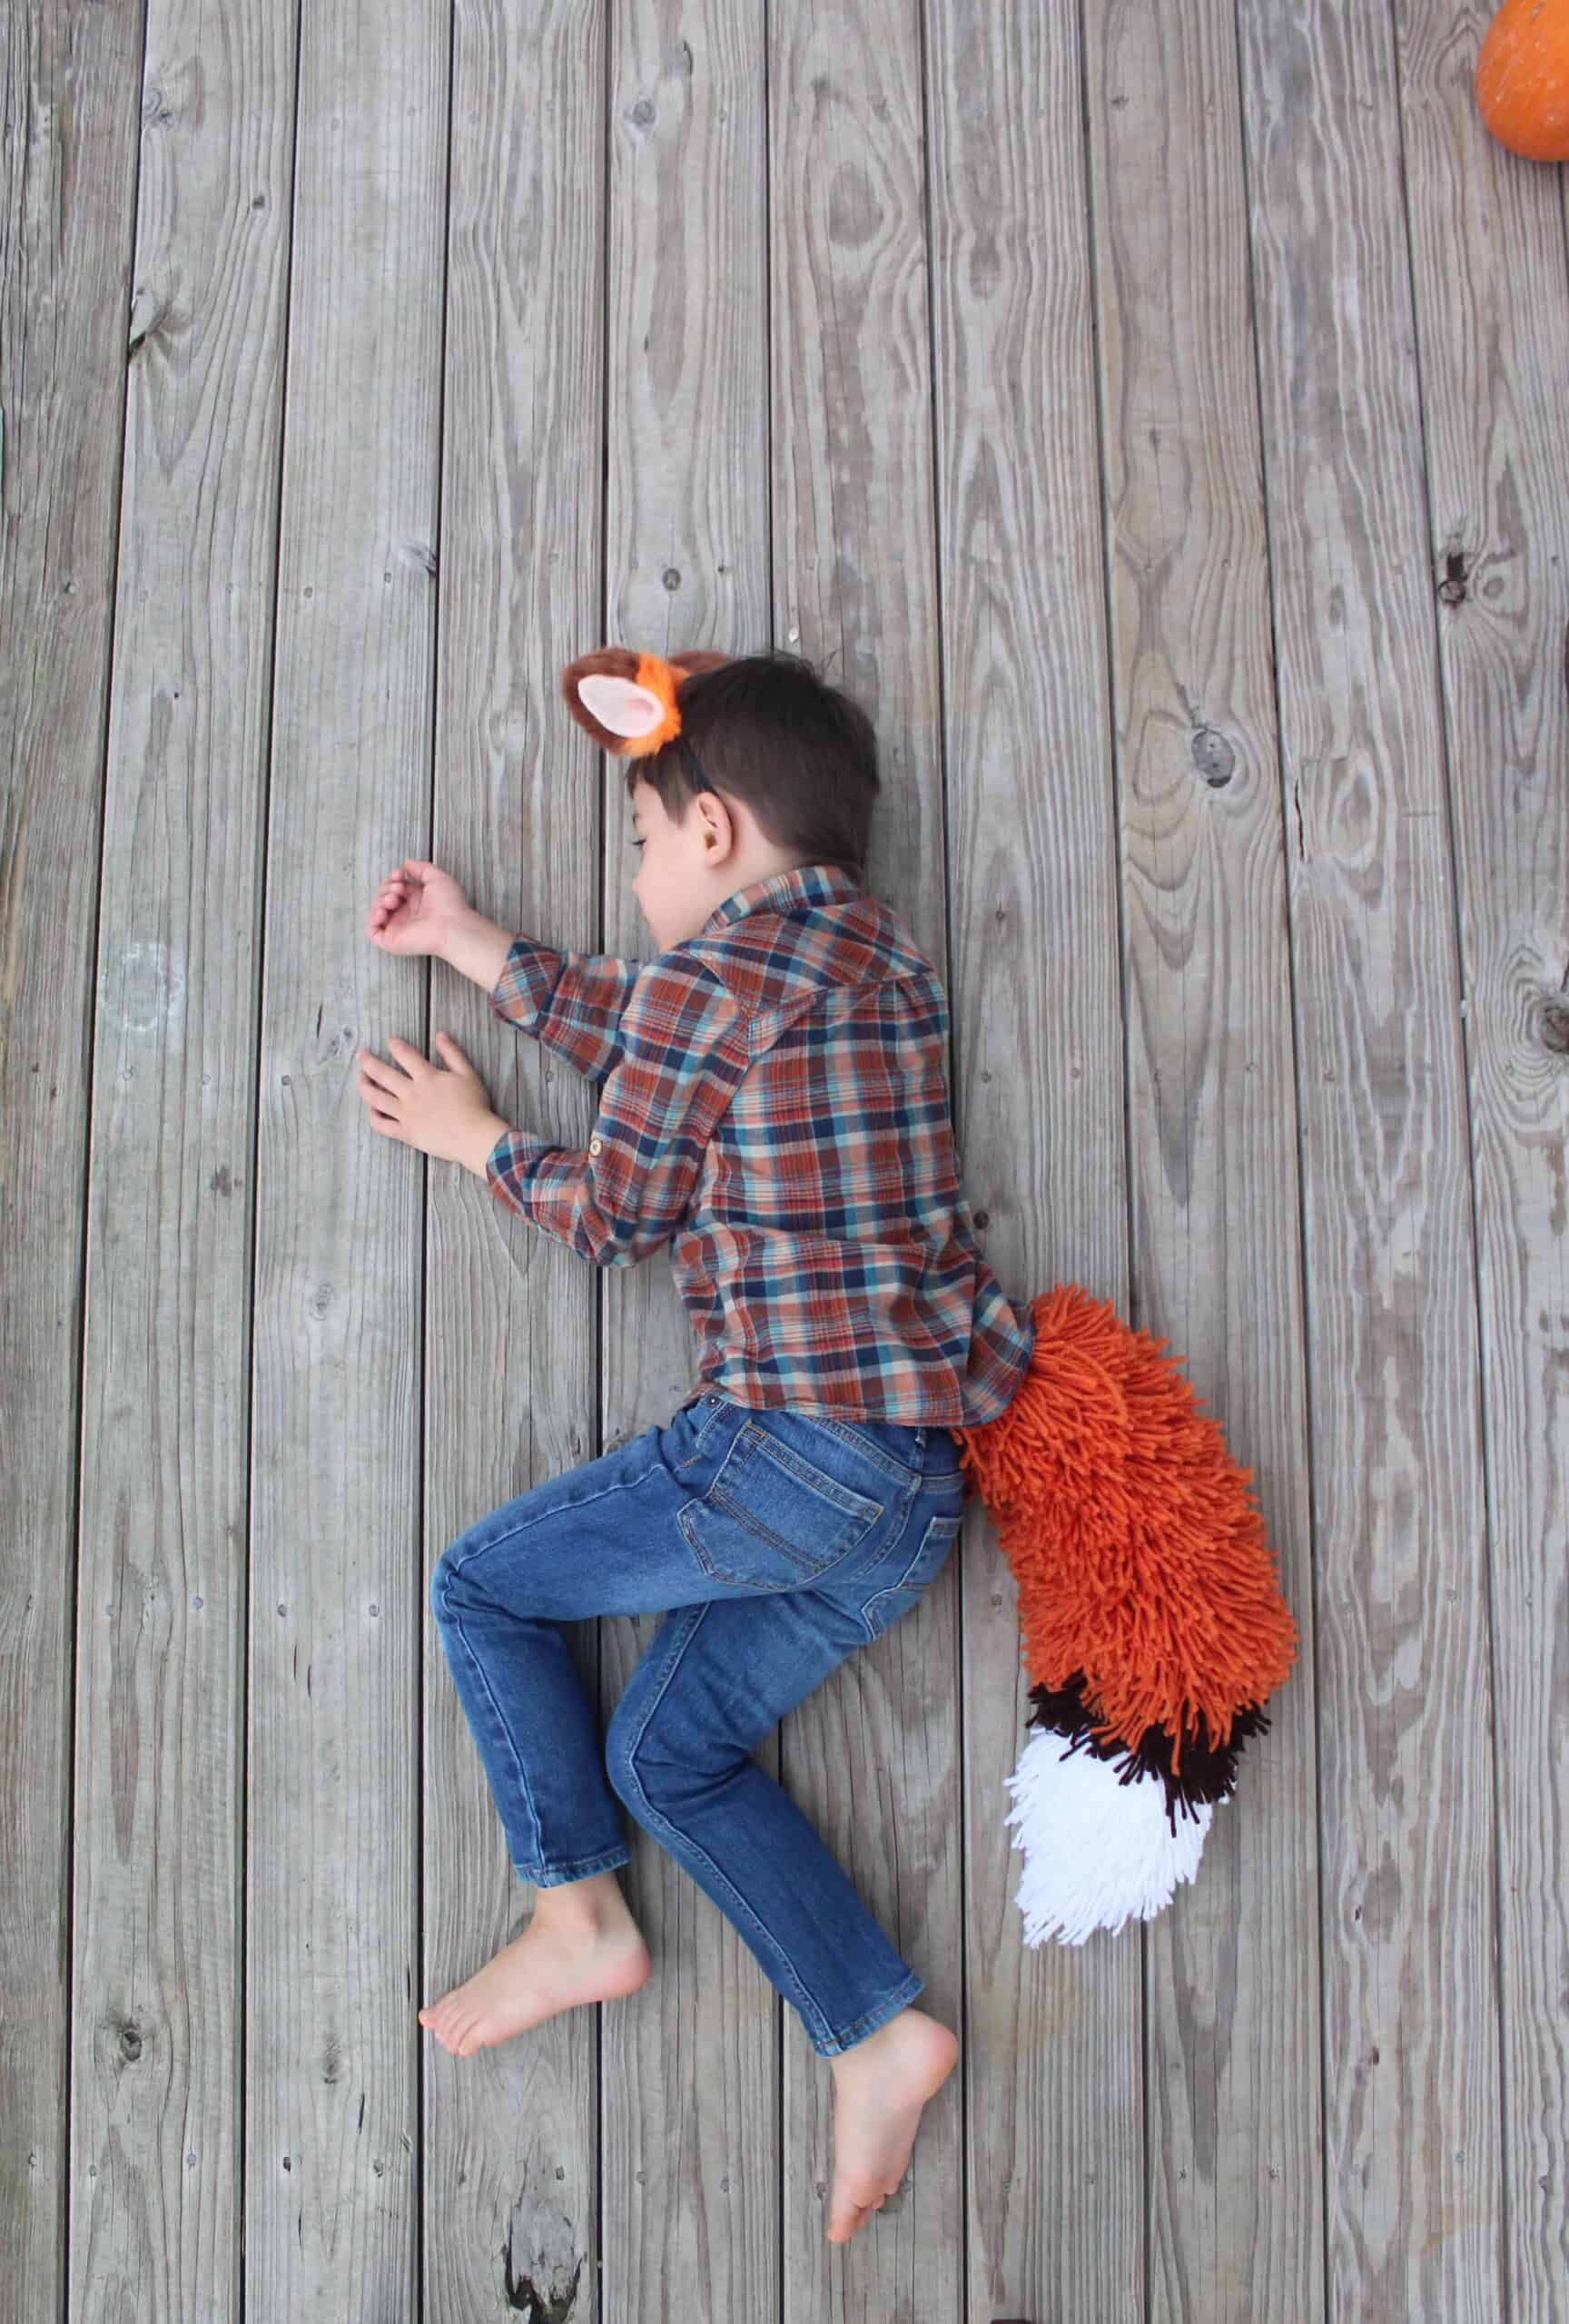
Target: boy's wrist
<point x="478" y="949"/>
<point x="488" y="1133"/>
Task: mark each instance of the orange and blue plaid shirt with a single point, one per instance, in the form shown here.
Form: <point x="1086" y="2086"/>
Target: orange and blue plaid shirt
<point x="774" y="1102"/>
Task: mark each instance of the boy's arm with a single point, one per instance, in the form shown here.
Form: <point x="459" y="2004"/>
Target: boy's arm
<point x="571" y="1002"/>
<point x="686" y="1045"/>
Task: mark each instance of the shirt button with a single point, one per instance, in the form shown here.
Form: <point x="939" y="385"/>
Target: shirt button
<point x="595" y="1144"/>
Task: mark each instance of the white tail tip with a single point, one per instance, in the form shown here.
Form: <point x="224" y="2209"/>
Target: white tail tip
<point x="1096" y="1851"/>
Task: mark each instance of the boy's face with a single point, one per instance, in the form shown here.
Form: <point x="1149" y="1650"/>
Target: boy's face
<point x="685" y="870"/>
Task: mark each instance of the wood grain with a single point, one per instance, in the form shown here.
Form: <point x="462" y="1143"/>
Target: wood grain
<point x="511" y="2147"/>
<point x="1054" y="2194"/>
<point x="1491" y="292"/>
<point x="1407" y="1797"/>
<point x="331" y="2042"/>
<point x="68" y="163"/>
<point x="1234" y="2189"/>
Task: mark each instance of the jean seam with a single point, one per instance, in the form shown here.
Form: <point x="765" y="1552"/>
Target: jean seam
<point x="454" y="1622"/>
<point x="620" y="1484"/>
<point x="902" y="1510"/>
<point x="579" y="1868"/>
<point x="815" y="1480"/>
<point x="872" y="1452"/>
<point x="880" y="2011"/>
<point x="808" y="2001"/>
<point x="703" y="1433"/>
<point x="892" y="1589"/>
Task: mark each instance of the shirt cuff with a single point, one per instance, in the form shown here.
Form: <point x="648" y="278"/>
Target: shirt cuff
<point x="527" y="980"/>
<point x="510" y="1161"/>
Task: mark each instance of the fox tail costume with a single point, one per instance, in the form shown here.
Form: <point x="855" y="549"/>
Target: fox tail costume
<point x="1150" y="1616"/>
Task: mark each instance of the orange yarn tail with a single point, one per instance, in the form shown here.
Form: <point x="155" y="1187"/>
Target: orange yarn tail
<point x="1144" y="1577"/>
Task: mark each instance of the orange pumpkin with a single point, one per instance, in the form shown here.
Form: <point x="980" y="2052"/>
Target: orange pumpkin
<point x="1522" y="78"/>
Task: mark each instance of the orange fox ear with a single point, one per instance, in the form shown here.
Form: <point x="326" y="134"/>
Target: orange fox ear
<point x="628" y="702"/>
<point x="625" y="701"/>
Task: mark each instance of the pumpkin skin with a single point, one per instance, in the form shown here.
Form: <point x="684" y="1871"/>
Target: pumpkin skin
<point x="1522" y="78"/>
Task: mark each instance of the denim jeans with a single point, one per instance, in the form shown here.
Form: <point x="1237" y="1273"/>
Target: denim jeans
<point x="775" y="1543"/>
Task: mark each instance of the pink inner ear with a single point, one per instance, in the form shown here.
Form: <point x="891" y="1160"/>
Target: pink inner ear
<point x="621" y="707"/>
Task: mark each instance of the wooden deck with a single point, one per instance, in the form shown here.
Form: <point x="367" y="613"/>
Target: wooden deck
<point x="1156" y="414"/>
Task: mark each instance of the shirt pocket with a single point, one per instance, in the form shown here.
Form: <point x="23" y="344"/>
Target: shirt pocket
<point x="896" y="1598"/>
<point x="772" y="1520"/>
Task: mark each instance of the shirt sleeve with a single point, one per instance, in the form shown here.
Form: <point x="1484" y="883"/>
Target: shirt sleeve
<point x="571" y="1002"/>
<point x="685" y="1046"/>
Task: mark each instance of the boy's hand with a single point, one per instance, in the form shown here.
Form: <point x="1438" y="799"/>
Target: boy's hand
<point x="443" y="1111"/>
<point x="415" y="910"/>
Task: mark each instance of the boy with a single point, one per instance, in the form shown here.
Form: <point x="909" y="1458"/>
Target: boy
<point x="774" y="1097"/>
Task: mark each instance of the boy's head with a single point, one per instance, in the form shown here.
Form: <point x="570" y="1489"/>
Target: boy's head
<point x="771" y="768"/>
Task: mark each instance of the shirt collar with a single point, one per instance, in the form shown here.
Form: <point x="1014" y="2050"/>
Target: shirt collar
<point x="804" y="883"/>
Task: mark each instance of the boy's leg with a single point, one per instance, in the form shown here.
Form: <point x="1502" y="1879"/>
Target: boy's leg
<point x="601" y="1539"/>
<point x="714" y="1682"/>
<point x="783" y="1544"/>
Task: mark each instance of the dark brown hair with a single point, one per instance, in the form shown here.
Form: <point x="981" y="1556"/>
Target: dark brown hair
<point x="767" y="730"/>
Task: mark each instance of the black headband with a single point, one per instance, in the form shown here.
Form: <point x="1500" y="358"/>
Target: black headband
<point x="695" y="764"/>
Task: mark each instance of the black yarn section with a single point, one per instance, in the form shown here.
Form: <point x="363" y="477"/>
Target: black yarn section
<point x="1209" y="1771"/>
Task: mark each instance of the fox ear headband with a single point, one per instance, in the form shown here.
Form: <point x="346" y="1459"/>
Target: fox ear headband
<point x="629" y="704"/>
<point x="1150" y="1618"/>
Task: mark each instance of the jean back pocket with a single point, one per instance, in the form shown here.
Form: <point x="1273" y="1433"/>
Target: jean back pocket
<point x="772" y="1520"/>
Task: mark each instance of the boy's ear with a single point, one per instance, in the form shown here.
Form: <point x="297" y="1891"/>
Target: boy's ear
<point x="626" y="701"/>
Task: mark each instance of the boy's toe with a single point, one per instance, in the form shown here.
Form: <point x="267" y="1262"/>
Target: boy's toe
<point x="850" y="2206"/>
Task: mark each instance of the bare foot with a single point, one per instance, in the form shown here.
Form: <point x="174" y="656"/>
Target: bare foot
<point x="563" y="1957"/>
<point x="880" y="2086"/>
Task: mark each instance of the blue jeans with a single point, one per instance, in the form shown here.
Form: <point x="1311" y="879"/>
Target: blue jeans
<point x="780" y="1542"/>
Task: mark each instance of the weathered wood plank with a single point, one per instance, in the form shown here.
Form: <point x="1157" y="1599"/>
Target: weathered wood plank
<point x="691" y="2075"/>
<point x="1493" y="338"/>
<point x="67" y="202"/>
<point x="332" y="2038"/>
<point x="854" y="588"/>
<point x="1235" y="2192"/>
<point x="1411" y="2032"/>
<point x="510" y="2183"/>
<point x="1056" y="2106"/>
<point x="157" y="2098"/>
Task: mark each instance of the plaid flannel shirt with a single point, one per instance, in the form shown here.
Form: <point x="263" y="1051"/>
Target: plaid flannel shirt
<point x="773" y="1097"/>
